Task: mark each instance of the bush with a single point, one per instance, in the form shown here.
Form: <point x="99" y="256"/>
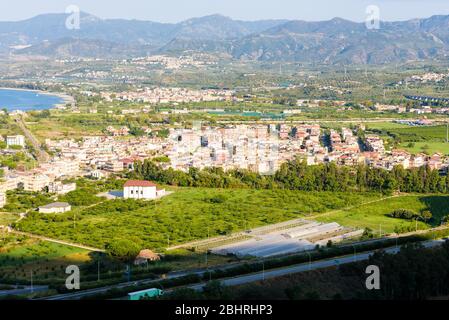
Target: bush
<point x="404" y="214"/>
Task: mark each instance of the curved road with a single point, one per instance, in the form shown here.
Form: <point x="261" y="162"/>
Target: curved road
<point x="273" y="273"/>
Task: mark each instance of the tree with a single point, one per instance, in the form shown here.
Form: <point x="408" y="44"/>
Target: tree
<point x="214" y="290"/>
<point x="293" y="293"/>
<point x="122" y="249"/>
<point x="426" y="215"/>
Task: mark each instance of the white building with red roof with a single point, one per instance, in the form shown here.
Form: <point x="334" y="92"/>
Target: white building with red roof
<point x="140" y="189"/>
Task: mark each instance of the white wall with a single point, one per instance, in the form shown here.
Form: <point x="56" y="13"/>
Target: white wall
<point x="139" y="192"/>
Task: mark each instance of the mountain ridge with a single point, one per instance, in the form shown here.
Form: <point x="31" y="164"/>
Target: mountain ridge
<point x="332" y="41"/>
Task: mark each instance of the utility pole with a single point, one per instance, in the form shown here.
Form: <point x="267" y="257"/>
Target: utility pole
<point x="263" y="270"/>
<point x="447" y="132"/>
<point x="310" y="260"/>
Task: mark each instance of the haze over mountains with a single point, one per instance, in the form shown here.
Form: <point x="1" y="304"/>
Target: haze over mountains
<point x="332" y="42"/>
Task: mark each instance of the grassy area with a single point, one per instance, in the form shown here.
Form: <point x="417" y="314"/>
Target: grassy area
<point x="430" y="133"/>
<point x="374" y="215"/>
<point x="67" y="125"/>
<point x="19" y="256"/>
<point x="385" y="125"/>
<point x="428" y="147"/>
<point x="7" y="218"/>
<point x="428" y="139"/>
<point x="187" y="214"/>
<point x="194" y="213"/>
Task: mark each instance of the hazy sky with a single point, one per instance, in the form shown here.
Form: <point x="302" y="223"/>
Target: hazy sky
<point x="177" y="10"/>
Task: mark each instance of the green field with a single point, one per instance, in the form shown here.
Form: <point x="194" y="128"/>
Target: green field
<point x="19" y="256"/>
<point x="374" y="215"/>
<point x="430" y="133"/>
<point x="385" y="125"/>
<point x="428" y="147"/>
<point x="7" y="218"/>
<point x="428" y="139"/>
<point x="186" y="215"/>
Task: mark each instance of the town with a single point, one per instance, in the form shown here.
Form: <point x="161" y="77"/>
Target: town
<point x="258" y="148"/>
<point x="285" y="156"/>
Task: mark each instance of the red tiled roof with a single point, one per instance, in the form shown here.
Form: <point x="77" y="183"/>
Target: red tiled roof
<point x="139" y="183"/>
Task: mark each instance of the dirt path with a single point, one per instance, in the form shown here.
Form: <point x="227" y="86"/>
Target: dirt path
<point x="75" y="245"/>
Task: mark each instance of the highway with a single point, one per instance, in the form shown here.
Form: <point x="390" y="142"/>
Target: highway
<point x="240" y="279"/>
<point x="23" y="291"/>
<point x="307" y="267"/>
<point x="173" y="275"/>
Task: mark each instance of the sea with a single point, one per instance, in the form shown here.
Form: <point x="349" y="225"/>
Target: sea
<point x="27" y="100"/>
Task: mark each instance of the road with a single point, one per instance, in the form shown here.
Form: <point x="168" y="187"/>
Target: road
<point x="156" y="283"/>
<point x="24" y="291"/>
<point x="42" y="155"/>
<point x="353" y="120"/>
<point x="240" y="279"/>
<point x="307" y="267"/>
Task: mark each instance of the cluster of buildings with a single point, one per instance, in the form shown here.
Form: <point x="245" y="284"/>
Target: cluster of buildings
<point x="47" y="175"/>
<point x="390" y="108"/>
<point x="259" y="148"/>
<point x="174" y="63"/>
<point x="404" y="158"/>
<point x="263" y="148"/>
<point x="428" y="77"/>
<point x="102" y="155"/>
<point x="160" y="95"/>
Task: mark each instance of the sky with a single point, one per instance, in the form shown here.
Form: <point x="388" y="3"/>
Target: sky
<point x="178" y="10"/>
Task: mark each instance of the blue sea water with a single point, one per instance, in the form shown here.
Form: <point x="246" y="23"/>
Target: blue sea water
<point x="27" y="100"/>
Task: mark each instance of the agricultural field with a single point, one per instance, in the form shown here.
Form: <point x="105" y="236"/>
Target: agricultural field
<point x="428" y="133"/>
<point x="375" y="215"/>
<point x="429" y="139"/>
<point x="186" y="215"/>
<point x="427" y="147"/>
<point x="6" y="218"/>
<point x="385" y="125"/>
<point x="19" y="256"/>
<point x="66" y="125"/>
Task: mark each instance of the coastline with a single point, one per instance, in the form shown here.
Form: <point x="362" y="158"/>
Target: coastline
<point x="65" y="97"/>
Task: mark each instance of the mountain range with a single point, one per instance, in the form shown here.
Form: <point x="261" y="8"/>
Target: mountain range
<point x="336" y="41"/>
